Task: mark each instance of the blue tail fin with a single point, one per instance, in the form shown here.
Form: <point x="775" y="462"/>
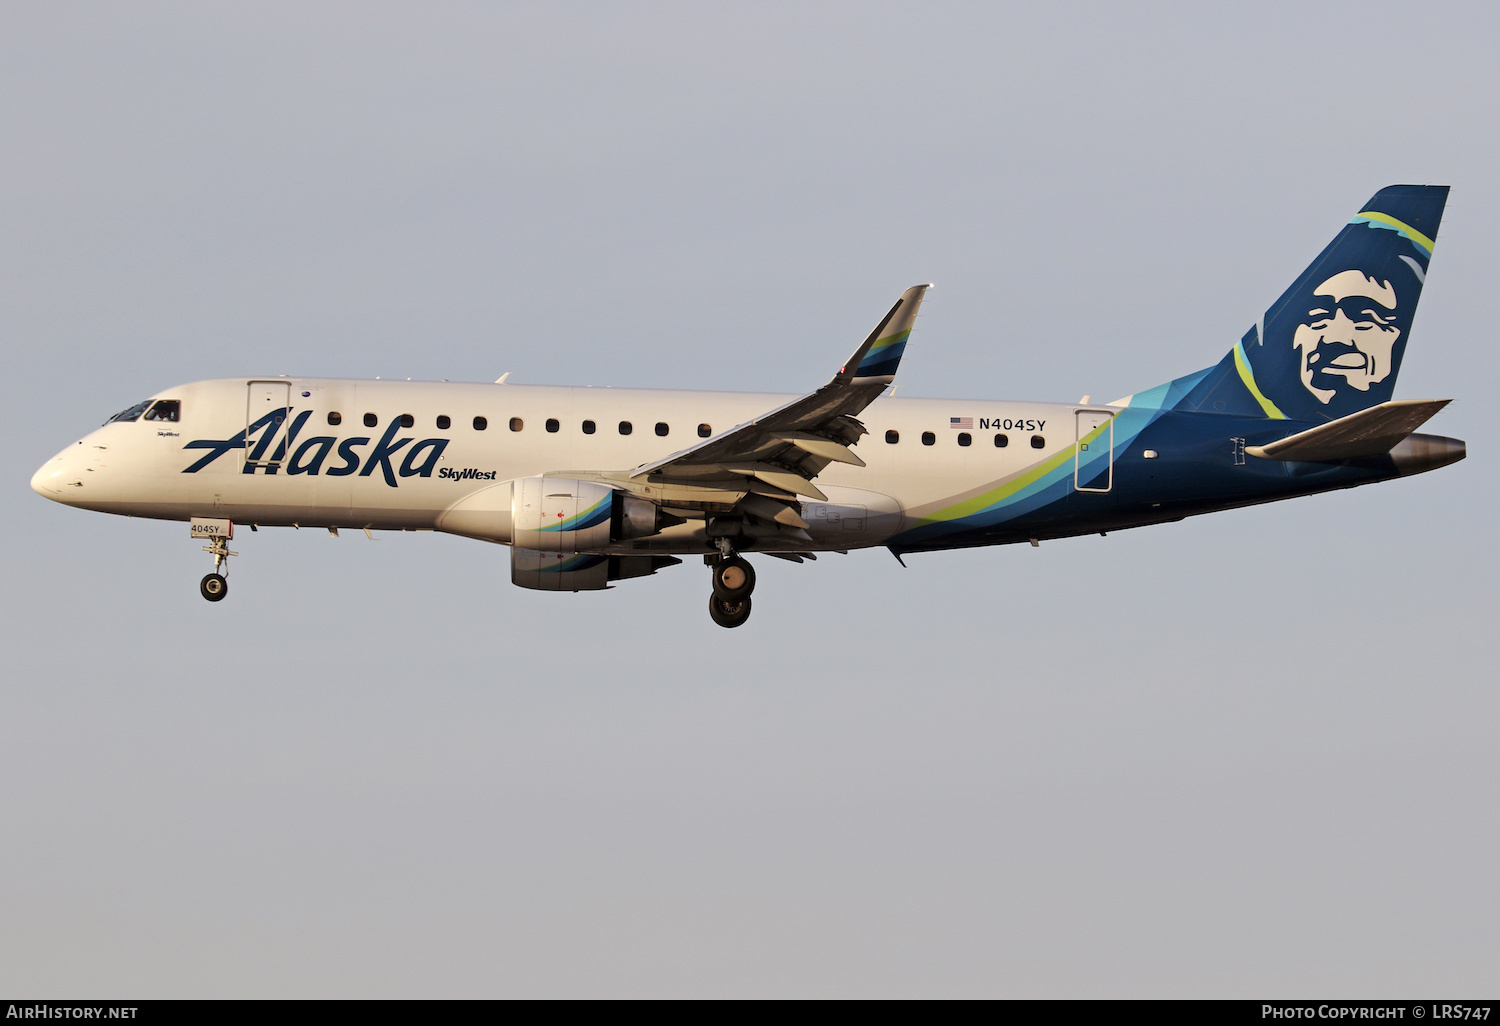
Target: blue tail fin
<point x="1332" y="344"/>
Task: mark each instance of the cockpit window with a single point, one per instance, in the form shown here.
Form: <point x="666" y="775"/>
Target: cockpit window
<point x="165" y="409"/>
<point x="134" y="413"/>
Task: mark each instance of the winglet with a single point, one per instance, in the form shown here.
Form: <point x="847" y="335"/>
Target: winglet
<point x="877" y="359"/>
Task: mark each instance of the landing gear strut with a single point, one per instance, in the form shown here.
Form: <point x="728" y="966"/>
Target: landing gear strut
<point x="733" y="581"/>
<point x="213" y="586"/>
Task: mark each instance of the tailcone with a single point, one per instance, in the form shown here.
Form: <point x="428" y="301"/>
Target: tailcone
<point x="1417" y="454"/>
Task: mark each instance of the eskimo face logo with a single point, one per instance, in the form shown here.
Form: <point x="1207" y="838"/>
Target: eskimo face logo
<point x="1346" y="339"/>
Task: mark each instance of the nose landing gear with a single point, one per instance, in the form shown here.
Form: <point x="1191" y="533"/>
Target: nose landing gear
<point x="733" y="581"/>
<point x="213" y="586"/>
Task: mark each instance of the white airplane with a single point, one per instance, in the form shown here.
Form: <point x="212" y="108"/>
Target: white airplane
<point x="589" y="485"/>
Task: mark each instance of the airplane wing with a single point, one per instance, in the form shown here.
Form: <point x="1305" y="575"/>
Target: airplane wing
<point x="789" y="446"/>
<point x="774" y="458"/>
<point x="1370" y="432"/>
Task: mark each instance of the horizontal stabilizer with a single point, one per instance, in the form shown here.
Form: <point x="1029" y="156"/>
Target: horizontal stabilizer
<point x="1371" y="432"/>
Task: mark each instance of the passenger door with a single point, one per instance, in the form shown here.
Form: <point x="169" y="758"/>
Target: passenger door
<point x="1093" y="459"/>
<point x="266" y="398"/>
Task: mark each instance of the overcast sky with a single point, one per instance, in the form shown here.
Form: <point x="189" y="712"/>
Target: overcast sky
<point x="1246" y="755"/>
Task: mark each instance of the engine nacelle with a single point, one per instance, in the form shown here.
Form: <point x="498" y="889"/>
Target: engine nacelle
<point x="558" y="571"/>
<point x="556" y="528"/>
<point x="639" y="518"/>
<point x="558" y="524"/>
<point x="558" y="514"/>
<point x="526" y="513"/>
<point x="578" y="571"/>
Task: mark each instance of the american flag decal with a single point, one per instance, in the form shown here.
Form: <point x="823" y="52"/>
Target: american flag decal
<point x="961" y="423"/>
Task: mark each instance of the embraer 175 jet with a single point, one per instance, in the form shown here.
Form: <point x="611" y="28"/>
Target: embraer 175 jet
<point x="588" y="486"/>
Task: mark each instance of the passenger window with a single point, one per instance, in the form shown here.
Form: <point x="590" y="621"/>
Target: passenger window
<point x="928" y="438"/>
<point x="704" y="430"/>
<point x="166" y="410"/>
<point x="335" y="417"/>
<point x="589" y="427"/>
<point x="132" y="414"/>
<point x="371" y="420"/>
<point x="407" y="420"/>
<point x="552" y="426"/>
<point x="443" y="422"/>
<point x="480" y="423"/>
<point x="662" y="429"/>
<point x="625" y="427"/>
<point x="892" y="437"/>
<point x="964" y="438"/>
<point x="1038" y="442"/>
<point x="1001" y="441"/>
<point x="516" y="423"/>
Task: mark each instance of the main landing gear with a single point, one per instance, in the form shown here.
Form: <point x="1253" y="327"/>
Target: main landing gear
<point x="213" y="586"/>
<point x="734" y="580"/>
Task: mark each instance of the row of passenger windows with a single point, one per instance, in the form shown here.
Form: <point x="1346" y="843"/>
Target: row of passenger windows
<point x="169" y="410"/>
<point x="965" y="439"/>
<point x="552" y="424"/>
<point x="589" y="427"/>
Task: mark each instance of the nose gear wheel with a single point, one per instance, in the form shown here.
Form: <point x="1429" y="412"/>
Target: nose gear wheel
<point x="213" y="587"/>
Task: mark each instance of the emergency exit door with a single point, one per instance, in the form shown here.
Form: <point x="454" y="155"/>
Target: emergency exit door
<point x="1094" y="456"/>
<point x="267" y="405"/>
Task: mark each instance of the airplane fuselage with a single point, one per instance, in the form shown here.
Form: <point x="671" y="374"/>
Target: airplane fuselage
<point x="940" y="473"/>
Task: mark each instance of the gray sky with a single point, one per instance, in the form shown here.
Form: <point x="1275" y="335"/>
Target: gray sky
<point x="1249" y="754"/>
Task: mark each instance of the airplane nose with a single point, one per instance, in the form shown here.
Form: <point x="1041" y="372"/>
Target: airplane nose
<point x="50" y="480"/>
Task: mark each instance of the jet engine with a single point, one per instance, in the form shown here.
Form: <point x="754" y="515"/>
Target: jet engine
<point x="559" y="524"/>
<point x="554" y="514"/>
<point x="558" y="514"/>
<point x="578" y="571"/>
